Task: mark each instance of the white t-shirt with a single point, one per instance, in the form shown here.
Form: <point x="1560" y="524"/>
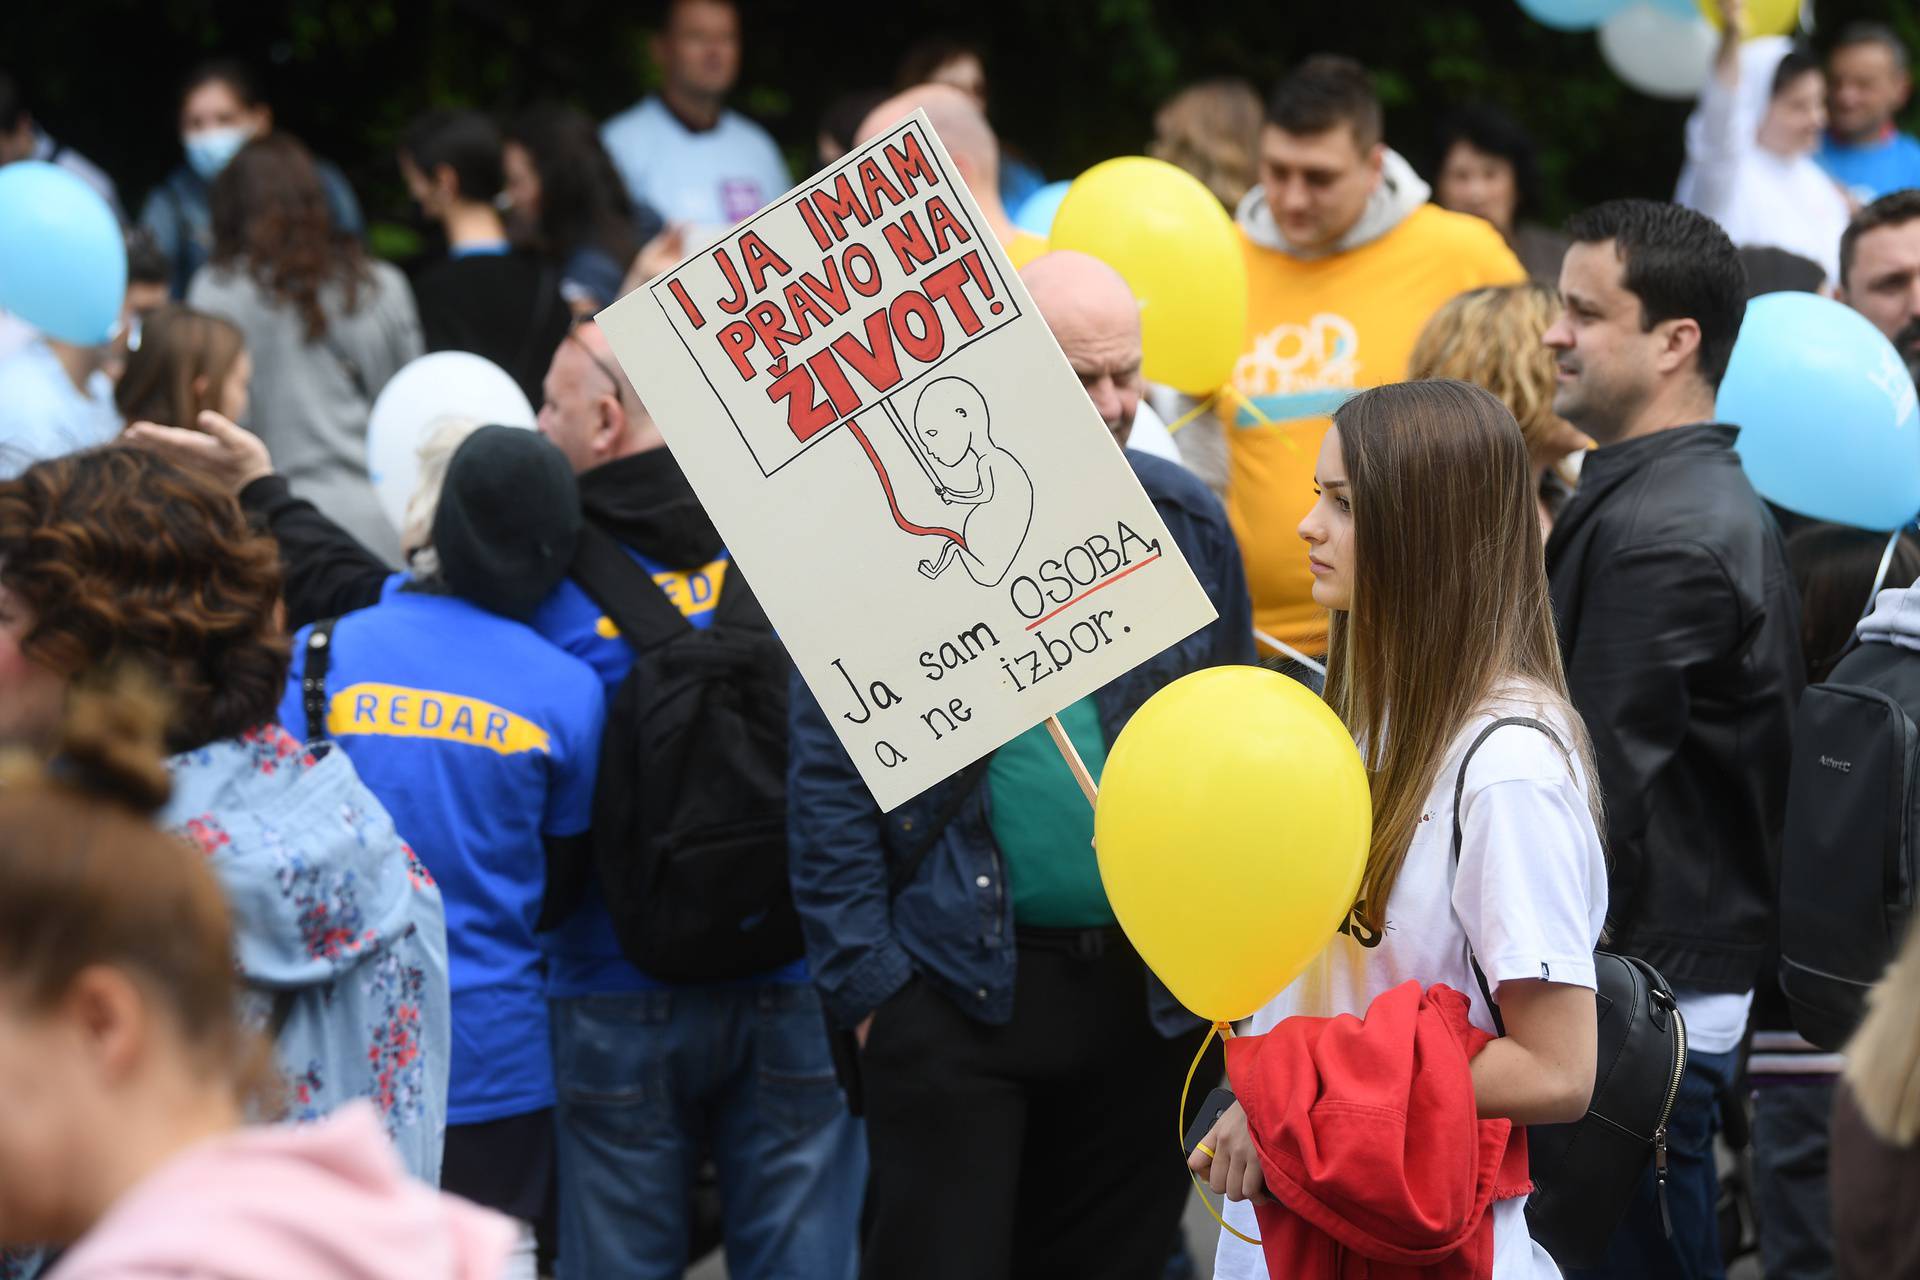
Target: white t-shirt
<point x="710" y="180"/>
<point x="43" y="415"/>
<point x="1531" y="892"/>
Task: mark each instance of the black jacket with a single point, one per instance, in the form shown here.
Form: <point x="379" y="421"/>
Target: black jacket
<point x="1680" y="628"/>
<point x="644" y="500"/>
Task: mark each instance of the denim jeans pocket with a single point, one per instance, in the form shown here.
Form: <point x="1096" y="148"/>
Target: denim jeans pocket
<point x="798" y="1092"/>
<point x="609" y="1067"/>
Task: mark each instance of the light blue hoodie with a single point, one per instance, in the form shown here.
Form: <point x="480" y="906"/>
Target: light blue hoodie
<point x="336" y="925"/>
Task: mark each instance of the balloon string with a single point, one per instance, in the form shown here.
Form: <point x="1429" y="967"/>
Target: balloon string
<point x="1225" y="1032"/>
<point x="1239" y="400"/>
<point x="1173" y="428"/>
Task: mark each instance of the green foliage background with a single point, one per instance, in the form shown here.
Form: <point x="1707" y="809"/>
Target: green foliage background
<point x="1074" y="81"/>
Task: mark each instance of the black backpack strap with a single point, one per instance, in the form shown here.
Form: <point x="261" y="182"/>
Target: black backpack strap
<point x="964" y="784"/>
<point x="313" y="678"/>
<point x="628" y="593"/>
<point x="1459" y="795"/>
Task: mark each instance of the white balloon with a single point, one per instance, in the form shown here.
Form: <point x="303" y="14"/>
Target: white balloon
<point x="427" y="392"/>
<point x="1658" y="52"/>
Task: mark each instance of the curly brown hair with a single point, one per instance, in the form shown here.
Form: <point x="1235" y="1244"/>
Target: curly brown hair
<point x="126" y="560"/>
<point x="270" y="219"/>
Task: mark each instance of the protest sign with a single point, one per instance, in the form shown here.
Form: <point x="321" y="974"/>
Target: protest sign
<point x="904" y="465"/>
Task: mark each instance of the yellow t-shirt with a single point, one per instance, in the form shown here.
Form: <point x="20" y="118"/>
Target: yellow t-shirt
<point x="1317" y="330"/>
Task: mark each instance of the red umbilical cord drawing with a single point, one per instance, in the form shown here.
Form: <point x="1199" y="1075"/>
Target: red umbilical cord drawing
<point x="893" y="503"/>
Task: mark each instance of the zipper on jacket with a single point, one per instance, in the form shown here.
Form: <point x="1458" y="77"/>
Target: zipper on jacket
<point x="1666" y="1112"/>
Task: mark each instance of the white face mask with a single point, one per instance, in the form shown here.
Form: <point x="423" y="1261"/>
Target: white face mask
<point x="209" y="150"/>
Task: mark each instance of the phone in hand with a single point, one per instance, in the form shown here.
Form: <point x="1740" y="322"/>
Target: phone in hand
<point x="1210" y="1112"/>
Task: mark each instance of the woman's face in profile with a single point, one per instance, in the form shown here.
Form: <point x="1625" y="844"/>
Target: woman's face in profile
<point x="1328" y="528"/>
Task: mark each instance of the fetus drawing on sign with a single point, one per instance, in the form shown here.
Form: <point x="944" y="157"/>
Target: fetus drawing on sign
<point x="954" y="430"/>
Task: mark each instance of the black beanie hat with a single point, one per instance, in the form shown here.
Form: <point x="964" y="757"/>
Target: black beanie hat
<point x="508" y="518"/>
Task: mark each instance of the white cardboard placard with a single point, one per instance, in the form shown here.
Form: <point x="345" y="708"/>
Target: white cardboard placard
<point x="904" y="465"/>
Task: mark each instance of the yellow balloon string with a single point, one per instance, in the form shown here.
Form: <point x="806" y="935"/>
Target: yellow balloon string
<point x="1236" y="398"/>
<point x="1225" y="1032"/>
<point x="1173" y="428"/>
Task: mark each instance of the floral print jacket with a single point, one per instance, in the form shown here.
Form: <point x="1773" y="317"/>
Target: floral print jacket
<point x="339" y="931"/>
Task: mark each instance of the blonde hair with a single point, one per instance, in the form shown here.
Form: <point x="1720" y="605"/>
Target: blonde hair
<point x="444" y="437"/>
<point x="1212" y="130"/>
<point x="1449" y="605"/>
<point x="1491" y="338"/>
<point x="1883" y="1061"/>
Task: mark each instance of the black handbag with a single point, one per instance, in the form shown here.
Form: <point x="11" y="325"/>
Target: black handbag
<point x="1585" y="1173"/>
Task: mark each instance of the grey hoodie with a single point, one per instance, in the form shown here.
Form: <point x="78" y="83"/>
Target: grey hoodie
<point x="1400" y="192"/>
<point x="1895" y="619"/>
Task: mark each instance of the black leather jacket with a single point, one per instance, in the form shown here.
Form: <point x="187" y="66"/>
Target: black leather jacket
<point x="1680" y="627"/>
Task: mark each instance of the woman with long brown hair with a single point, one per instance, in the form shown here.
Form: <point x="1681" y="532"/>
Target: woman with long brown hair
<point x="1425" y="545"/>
<point x="326" y="327"/>
<point x="131" y="1079"/>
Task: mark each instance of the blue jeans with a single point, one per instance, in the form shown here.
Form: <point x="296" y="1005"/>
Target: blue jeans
<point x="652" y="1082"/>
<point x="1790" y="1202"/>
<point x="1640" y="1249"/>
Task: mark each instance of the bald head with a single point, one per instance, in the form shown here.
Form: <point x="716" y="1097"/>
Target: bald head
<point x="588" y="408"/>
<point x="963" y="131"/>
<point x="1096" y="321"/>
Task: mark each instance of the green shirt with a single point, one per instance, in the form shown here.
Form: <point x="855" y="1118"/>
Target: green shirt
<point x="1044" y="826"/>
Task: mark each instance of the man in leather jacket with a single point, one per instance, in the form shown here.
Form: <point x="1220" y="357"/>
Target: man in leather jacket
<point x="1679" y="625"/>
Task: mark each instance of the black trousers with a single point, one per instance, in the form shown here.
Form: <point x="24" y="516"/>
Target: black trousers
<point x="1047" y="1147"/>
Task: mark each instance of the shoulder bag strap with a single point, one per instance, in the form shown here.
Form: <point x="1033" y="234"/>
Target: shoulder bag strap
<point x="313" y="678"/>
<point x="963" y="788"/>
<point x="628" y="593"/>
<point x="1459" y="795"/>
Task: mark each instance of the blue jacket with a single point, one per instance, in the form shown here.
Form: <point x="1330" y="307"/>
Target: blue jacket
<point x="953" y="924"/>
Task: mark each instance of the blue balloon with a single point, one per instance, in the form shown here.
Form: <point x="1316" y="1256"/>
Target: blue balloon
<point x="1829" y="421"/>
<point x="1572" y="15"/>
<point x="1677" y="8"/>
<point x="1037" y="210"/>
<point x="63" y="260"/>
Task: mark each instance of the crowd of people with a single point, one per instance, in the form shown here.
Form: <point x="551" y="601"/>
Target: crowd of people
<point x="310" y="959"/>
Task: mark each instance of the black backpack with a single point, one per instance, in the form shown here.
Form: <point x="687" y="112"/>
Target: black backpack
<point x="690" y="805"/>
<point x="1585" y="1173"/>
<point x="1852" y="846"/>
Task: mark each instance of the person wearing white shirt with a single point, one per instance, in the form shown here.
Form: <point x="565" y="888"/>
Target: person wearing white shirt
<point x="1751" y="145"/>
<point x="1425" y="544"/>
<point x="54" y="398"/>
<point x="681" y="151"/>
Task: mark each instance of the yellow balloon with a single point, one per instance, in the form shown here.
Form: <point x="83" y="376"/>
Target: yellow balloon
<point x="1166" y="233"/>
<point x="1231" y="832"/>
<point x="1764" y="17"/>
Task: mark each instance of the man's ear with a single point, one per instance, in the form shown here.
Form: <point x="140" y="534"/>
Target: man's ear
<point x="1679" y="342"/>
<point x="1376" y="163"/>
<point x="609" y="427"/>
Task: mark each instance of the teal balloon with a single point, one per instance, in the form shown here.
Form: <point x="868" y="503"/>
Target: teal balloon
<point x="1677" y="8"/>
<point x="63" y="260"/>
<point x="1572" y="15"/>
<point x="1829" y="421"/>
<point x="1037" y="210"/>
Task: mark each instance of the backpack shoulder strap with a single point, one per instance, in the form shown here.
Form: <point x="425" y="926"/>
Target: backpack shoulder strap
<point x="313" y="678"/>
<point x="738" y="606"/>
<point x="628" y="593"/>
<point x="1459" y="795"/>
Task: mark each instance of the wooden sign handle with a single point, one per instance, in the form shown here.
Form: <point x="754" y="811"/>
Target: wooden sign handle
<point x="1088" y="787"/>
